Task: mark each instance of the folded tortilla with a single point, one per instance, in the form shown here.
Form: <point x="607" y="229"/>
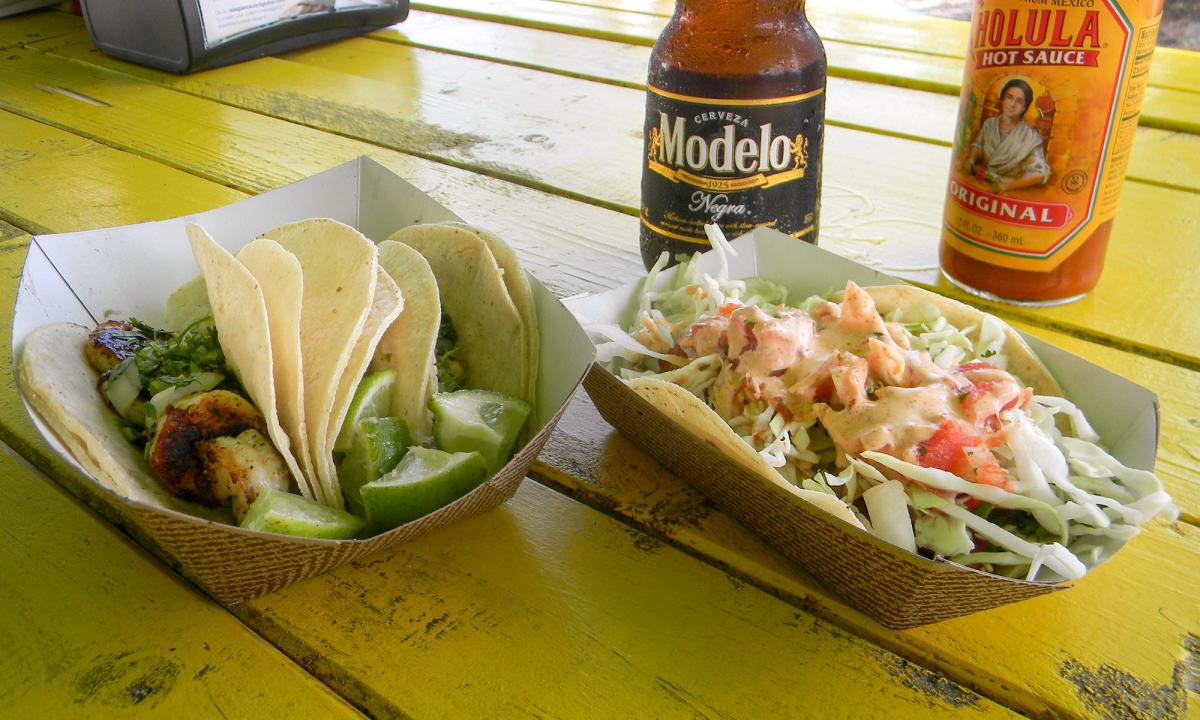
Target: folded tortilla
<point x="340" y="271"/>
<point x="409" y="344"/>
<point x="492" y="334"/>
<point x="697" y="417"/>
<point x="240" y="315"/>
<point x="60" y="384"/>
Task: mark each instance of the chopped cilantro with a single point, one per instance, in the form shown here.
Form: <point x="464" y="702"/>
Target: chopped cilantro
<point x="163" y="361"/>
<point x="987" y="353"/>
<point x="450" y="368"/>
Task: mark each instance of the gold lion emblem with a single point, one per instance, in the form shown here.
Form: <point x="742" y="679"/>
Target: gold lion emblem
<point x="655" y="142"/>
<point x="800" y="153"/>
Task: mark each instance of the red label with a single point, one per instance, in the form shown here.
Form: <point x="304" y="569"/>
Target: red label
<point x="1009" y="210"/>
<point x="1047" y="116"/>
<point x="1025" y="57"/>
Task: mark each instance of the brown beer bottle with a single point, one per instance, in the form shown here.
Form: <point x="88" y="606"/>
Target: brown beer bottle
<point x="735" y="121"/>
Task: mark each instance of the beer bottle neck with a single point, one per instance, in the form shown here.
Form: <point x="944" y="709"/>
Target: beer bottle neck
<point x="739" y="15"/>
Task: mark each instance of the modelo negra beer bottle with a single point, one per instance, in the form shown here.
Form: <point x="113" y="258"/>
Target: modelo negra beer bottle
<point x="735" y="121"/>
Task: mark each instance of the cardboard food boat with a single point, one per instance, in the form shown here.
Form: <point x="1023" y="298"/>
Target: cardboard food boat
<point x="116" y="273"/>
<point x="898" y="588"/>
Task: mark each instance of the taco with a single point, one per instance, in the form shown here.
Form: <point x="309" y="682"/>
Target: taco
<point x="301" y="363"/>
<point x="933" y="424"/>
<point x="412" y="340"/>
<point x="488" y="334"/>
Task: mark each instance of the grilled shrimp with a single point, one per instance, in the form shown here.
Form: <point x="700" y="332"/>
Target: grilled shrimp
<point x="184" y="465"/>
<point x="110" y="343"/>
<point x="240" y="468"/>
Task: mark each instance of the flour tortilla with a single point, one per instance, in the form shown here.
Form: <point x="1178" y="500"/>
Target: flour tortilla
<point x="240" y="315"/>
<point x="408" y="345"/>
<point x="492" y="336"/>
<point x="695" y="416"/>
<point x="385" y="307"/>
<point x="1023" y="362"/>
<point x="60" y="385"/>
<point x="278" y="273"/>
<point x="340" y="274"/>
<point x="521" y="294"/>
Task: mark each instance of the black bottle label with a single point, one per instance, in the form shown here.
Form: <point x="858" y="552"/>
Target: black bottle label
<point x="738" y="163"/>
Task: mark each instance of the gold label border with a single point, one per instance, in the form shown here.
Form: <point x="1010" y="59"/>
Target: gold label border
<point x="738" y="102"/>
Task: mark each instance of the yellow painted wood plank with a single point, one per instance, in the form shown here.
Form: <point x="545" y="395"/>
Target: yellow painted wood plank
<point x="245" y="152"/>
<point x="546" y="608"/>
<point x="1176" y="68"/>
<point x="882" y="197"/>
<point x="425" y="108"/>
<point x="1161" y="157"/>
<point x="483" y="618"/>
<point x="850" y="103"/>
<point x="197" y="107"/>
<point x="1167" y="108"/>
<point x="91" y="185"/>
<point x="899" y="28"/>
<point x="926" y="72"/>
<point x="94" y="628"/>
<point x="32" y="27"/>
<point x="1117" y="644"/>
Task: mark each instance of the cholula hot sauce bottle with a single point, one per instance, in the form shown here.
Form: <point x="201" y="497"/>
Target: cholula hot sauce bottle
<point x="1050" y="102"/>
<point x="735" y="119"/>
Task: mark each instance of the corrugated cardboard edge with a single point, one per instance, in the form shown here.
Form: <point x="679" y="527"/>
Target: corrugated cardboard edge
<point x="233" y="565"/>
<point x="898" y="589"/>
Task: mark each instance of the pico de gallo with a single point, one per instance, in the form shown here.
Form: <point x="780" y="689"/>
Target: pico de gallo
<point x="840" y="399"/>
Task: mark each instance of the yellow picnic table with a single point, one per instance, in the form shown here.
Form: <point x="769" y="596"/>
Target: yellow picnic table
<point x="607" y="587"/>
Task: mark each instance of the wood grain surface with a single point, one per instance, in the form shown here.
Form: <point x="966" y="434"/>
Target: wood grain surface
<point x="1162" y="157"/>
<point x="545" y="606"/>
<point x="1164" y="106"/>
<point x="882" y="198"/>
<point x="479" y="617"/>
<point x="95" y="628"/>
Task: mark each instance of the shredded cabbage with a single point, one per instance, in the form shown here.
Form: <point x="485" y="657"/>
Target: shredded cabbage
<point x="1058" y="485"/>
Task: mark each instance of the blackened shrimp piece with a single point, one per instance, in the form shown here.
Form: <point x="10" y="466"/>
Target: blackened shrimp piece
<point x="110" y="343"/>
<point x="241" y="468"/>
<point x="173" y="452"/>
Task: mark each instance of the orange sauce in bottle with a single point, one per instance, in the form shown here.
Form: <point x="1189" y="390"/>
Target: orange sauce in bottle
<point x="1049" y="108"/>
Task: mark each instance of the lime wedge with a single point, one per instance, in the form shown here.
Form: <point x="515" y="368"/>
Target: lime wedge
<point x="377" y="446"/>
<point x="287" y="514"/>
<point x="480" y="420"/>
<point x="424" y="481"/>
<point x="372" y="398"/>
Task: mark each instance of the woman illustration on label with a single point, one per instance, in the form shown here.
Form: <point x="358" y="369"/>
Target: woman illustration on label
<point x="1010" y="149"/>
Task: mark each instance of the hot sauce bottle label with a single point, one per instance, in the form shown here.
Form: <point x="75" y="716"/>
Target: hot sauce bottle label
<point x="738" y="163"/>
<point x="1045" y="130"/>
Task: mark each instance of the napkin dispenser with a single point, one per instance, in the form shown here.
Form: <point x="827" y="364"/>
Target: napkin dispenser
<point x="181" y="36"/>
